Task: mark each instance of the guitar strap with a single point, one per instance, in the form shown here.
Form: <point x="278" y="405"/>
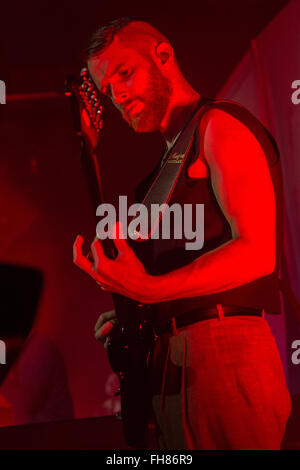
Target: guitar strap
<point x="164" y="184"/>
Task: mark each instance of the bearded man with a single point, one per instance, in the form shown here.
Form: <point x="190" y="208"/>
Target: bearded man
<point x="217" y="378"/>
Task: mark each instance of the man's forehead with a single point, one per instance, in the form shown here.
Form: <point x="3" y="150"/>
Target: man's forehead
<point x="104" y="65"/>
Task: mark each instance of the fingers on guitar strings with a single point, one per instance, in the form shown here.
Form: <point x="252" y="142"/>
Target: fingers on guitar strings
<point x="78" y="257"/>
<point x="104" y="331"/>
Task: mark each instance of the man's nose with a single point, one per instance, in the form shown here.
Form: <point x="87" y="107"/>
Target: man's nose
<point x="119" y="96"/>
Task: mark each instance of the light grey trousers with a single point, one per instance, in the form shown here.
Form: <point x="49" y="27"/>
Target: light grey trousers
<point x="219" y="384"/>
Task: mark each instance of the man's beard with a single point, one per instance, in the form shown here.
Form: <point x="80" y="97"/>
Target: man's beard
<point x="155" y="100"/>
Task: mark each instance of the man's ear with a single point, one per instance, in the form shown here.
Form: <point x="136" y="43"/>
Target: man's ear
<point x="163" y="52"/>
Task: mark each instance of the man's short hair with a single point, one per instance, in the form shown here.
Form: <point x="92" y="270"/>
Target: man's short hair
<point x="105" y="35"/>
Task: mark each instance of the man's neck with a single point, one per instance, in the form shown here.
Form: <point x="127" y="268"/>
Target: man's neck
<point x="178" y="117"/>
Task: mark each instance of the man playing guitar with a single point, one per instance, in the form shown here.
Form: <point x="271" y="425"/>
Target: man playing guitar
<point x="217" y="378"/>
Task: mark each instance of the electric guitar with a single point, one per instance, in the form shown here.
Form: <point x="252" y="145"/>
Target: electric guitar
<point x="132" y="338"/>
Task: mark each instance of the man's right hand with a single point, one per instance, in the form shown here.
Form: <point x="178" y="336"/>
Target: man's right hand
<point x="104" y="325"/>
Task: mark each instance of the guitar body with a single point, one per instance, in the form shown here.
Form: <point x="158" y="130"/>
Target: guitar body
<point x="129" y="354"/>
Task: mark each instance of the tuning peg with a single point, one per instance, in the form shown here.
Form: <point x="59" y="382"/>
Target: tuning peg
<point x="83" y="71"/>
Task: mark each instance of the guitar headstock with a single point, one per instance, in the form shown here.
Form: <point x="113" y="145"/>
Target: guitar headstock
<point x="88" y="113"/>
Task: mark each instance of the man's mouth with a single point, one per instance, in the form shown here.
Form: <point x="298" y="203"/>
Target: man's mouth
<point x="134" y="109"/>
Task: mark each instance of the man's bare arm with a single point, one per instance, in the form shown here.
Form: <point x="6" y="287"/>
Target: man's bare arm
<point x="243" y="186"/>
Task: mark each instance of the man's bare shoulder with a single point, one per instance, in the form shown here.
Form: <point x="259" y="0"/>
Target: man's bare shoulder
<point x="226" y="136"/>
<point x="214" y="126"/>
<point x="219" y="120"/>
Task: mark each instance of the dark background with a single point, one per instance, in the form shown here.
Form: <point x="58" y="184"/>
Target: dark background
<point x="41" y="41"/>
<point x="44" y="201"/>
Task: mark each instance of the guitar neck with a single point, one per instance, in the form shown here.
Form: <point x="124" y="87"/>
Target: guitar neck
<point x="95" y="188"/>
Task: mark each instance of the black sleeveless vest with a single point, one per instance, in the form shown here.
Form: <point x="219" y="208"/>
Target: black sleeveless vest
<point x="164" y="255"/>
